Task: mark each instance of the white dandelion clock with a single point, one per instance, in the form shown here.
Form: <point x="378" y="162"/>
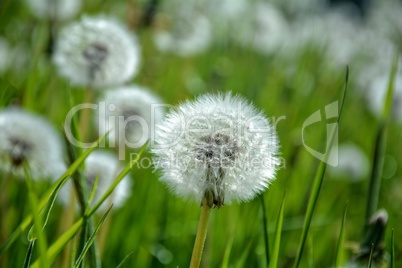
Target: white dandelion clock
<point x="265" y="29"/>
<point x="54" y="9"/>
<point x="353" y="163"/>
<point x="106" y="166"/>
<point x="374" y="85"/>
<point x="218" y="147"/>
<point x="130" y="115"/>
<point x="25" y="137"/>
<point x="97" y="52"/>
<point x="189" y="33"/>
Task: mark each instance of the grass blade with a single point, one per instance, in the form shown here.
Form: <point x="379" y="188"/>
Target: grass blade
<point x="38" y="226"/>
<point x="93" y="191"/>
<point x="28" y="219"/>
<point x="91" y="239"/>
<point x="47" y="208"/>
<point x="370" y="263"/>
<point x="278" y="233"/>
<point x="340" y="240"/>
<point x="379" y="151"/>
<point x="228" y="250"/>
<point x="28" y="257"/>
<point x="265" y="229"/>
<point x="318" y="181"/>
<point x="125" y="258"/>
<point x="392" y="263"/>
<point x="58" y="246"/>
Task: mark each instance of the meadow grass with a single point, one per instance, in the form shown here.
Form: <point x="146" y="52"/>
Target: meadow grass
<point x="155" y="228"/>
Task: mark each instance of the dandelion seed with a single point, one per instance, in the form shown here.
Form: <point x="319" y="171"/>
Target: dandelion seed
<point x="130" y="114"/>
<point x="54" y="9"/>
<point x="218" y="147"/>
<point x="188" y="34"/>
<point x="106" y="166"/>
<point x="98" y="52"/>
<point x="25" y="137"/>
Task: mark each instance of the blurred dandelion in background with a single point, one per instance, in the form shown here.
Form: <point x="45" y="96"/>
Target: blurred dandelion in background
<point x="263" y="28"/>
<point x="208" y="147"/>
<point x="28" y="138"/>
<point x="373" y="82"/>
<point x="54" y="9"/>
<point x="353" y="163"/>
<point x="106" y="166"/>
<point x="130" y="115"/>
<point x="97" y="52"/>
<point x="186" y="33"/>
<point x="4" y="55"/>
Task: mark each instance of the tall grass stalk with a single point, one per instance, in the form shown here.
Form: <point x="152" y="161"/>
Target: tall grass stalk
<point x="265" y="229"/>
<point x="38" y="223"/>
<point x="278" y="234"/>
<point x="379" y="150"/>
<point x="318" y="180"/>
<point x="338" y="254"/>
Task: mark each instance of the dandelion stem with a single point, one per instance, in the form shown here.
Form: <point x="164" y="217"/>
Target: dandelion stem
<point x="201" y="235"/>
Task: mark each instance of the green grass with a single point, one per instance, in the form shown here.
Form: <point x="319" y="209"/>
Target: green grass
<point x="155" y="228"/>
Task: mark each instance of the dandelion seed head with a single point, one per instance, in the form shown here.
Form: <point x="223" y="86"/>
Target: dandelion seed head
<point x="25" y="137"/>
<point x="189" y="33"/>
<point x="54" y="9"/>
<point x="353" y="163"/>
<point x="219" y="147"/>
<point x="135" y="106"/>
<point x="265" y="29"/>
<point x="98" y="52"/>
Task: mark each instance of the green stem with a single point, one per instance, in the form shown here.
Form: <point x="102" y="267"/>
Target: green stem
<point x="265" y="229"/>
<point x="201" y="235"/>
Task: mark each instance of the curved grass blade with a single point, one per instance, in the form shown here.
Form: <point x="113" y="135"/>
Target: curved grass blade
<point x="47" y="208"/>
<point x="318" y="180"/>
<point x="125" y="258"/>
<point x="370" y="263"/>
<point x="29" y="254"/>
<point x="278" y="233"/>
<point x="241" y="262"/>
<point x="38" y="226"/>
<point x="392" y="263"/>
<point x="340" y="240"/>
<point x="379" y="151"/>
<point x="93" y="191"/>
<point x="58" y="246"/>
<point x="265" y="229"/>
<point x="91" y="239"/>
<point x="28" y="219"/>
<point x="228" y="250"/>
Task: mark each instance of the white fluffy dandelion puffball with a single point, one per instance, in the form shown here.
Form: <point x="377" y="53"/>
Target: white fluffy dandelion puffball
<point x="98" y="52"/>
<point x="188" y="34"/>
<point x="107" y="166"/>
<point x="130" y="113"/>
<point x="25" y="137"/>
<point x="54" y="9"/>
<point x="218" y="147"/>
